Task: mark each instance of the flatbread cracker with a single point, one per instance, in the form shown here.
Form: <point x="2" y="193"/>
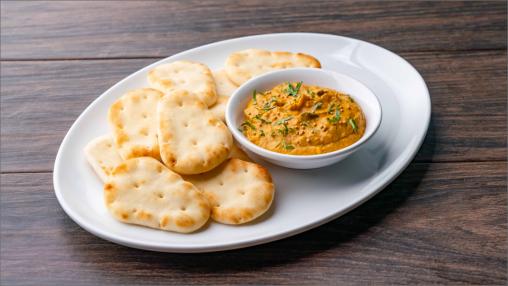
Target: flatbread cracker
<point x="244" y="65"/>
<point x="219" y="108"/>
<point x="238" y="191"/>
<point x="195" y="78"/>
<point x="102" y="155"/>
<point x="223" y="84"/>
<point x="238" y="153"/>
<point x="142" y="191"/>
<point x="192" y="140"/>
<point x="133" y="120"/>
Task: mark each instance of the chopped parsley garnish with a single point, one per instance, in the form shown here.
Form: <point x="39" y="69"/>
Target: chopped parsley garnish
<point x="262" y="133"/>
<point x="247" y="123"/>
<point x="353" y="124"/>
<point x="284" y="120"/>
<point x="287" y="146"/>
<point x="331" y="108"/>
<point x="293" y="91"/>
<point x="316" y="106"/>
<point x="254" y="97"/>
<point x="335" y="118"/>
<point x="284" y="131"/>
<point x="258" y="117"/>
<point x="268" y="105"/>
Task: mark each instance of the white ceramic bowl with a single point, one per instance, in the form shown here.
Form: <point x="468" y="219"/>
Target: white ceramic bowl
<point x="310" y="76"/>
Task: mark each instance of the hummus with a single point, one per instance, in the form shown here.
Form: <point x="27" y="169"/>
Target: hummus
<point x="299" y="119"/>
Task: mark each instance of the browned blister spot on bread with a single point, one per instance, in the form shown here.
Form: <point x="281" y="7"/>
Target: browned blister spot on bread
<point x="133" y="121"/>
<point x="192" y="77"/>
<point x="102" y="156"/>
<point x="238" y="191"/>
<point x="143" y="191"/>
<point x="244" y="65"/>
<point x="191" y="139"/>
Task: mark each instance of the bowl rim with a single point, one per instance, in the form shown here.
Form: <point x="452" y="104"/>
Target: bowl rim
<point x="245" y="142"/>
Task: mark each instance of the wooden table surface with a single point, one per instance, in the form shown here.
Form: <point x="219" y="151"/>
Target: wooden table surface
<point x="444" y="220"/>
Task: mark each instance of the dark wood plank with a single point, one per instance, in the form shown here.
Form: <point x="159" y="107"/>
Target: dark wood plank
<point x="99" y="29"/>
<point x="40" y="100"/>
<point x="437" y="223"/>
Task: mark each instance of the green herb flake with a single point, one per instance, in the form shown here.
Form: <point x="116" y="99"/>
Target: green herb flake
<point x="293" y="91"/>
<point x="268" y="105"/>
<point x="258" y="117"/>
<point x="262" y="133"/>
<point x="283" y="120"/>
<point x="254" y="97"/>
<point x="352" y="122"/>
<point x="331" y="108"/>
<point x="316" y="106"/>
<point x="335" y="118"/>
<point x="287" y="146"/>
<point x="247" y="123"/>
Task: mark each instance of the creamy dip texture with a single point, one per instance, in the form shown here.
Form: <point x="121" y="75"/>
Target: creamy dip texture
<point x="299" y="119"/>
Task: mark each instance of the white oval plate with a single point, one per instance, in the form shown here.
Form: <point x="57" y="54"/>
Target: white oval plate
<point x="304" y="198"/>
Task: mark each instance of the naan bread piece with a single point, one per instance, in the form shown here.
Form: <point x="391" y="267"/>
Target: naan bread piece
<point x="238" y="191"/>
<point x="238" y="153"/>
<point x="223" y="84"/>
<point x="102" y="155"/>
<point x="219" y="108"/>
<point x="133" y="119"/>
<point x="195" y="78"/>
<point x="142" y="191"/>
<point x="192" y="140"/>
<point x="244" y="65"/>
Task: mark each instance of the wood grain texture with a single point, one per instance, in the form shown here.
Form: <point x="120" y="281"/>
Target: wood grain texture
<point x="40" y="100"/>
<point x="437" y="223"/>
<point x="443" y="221"/>
<point x="100" y="29"/>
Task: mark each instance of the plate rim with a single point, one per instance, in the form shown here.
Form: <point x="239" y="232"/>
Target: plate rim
<point x="397" y="168"/>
